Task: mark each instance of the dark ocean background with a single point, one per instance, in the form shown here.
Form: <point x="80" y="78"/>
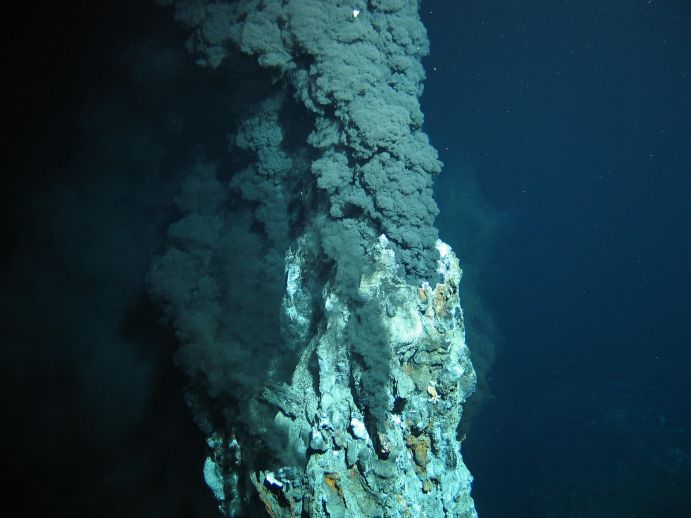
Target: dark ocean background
<point x="571" y="121"/>
<point x="565" y="129"/>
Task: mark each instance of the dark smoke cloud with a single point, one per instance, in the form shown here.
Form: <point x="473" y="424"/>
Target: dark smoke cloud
<point x="335" y="154"/>
<point x="360" y="77"/>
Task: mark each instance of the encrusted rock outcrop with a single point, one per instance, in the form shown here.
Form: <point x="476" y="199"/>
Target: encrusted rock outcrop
<point x="408" y="463"/>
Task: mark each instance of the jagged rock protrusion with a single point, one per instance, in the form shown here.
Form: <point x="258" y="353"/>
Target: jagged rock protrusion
<point x="410" y="463"/>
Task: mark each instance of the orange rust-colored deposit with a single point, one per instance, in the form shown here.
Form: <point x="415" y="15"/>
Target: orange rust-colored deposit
<point x="333" y="481"/>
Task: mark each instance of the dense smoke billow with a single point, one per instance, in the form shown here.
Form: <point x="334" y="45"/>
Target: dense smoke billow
<point x="360" y="78"/>
<point x="335" y="154"/>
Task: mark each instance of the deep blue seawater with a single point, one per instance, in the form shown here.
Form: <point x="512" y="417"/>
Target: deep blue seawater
<point x="570" y="125"/>
<point x="565" y="129"/>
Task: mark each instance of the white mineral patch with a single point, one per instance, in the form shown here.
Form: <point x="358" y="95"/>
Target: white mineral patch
<point x="272" y="480"/>
<point x="214" y="479"/>
<point x="295" y="316"/>
<point x="443" y="248"/>
<point x="458" y="370"/>
<point x="317" y="441"/>
<point x="292" y="278"/>
<point x="294" y="291"/>
<point x="405" y="326"/>
<point x="359" y="429"/>
<point x="388" y="254"/>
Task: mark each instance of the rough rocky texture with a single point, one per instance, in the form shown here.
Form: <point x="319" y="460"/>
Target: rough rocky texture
<point x="410" y="463"/>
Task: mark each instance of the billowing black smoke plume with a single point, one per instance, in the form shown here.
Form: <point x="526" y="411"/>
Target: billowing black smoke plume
<point x="336" y="154"/>
<point x="331" y="158"/>
<point x="359" y="76"/>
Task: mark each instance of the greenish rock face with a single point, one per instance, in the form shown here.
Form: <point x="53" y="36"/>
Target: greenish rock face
<point x="410" y="459"/>
<point x="356" y="463"/>
<point x="318" y="313"/>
